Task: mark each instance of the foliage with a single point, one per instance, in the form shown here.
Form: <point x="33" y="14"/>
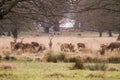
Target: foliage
<point x="97" y="66"/>
<point x="114" y="59"/>
<point x="51" y="57"/>
<point x="22" y="14"/>
<point x="9" y="58"/>
<point x="79" y="63"/>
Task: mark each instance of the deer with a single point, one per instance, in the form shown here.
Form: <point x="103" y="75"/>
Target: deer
<point x="41" y="48"/>
<point x="114" y="45"/>
<point x="36" y="44"/>
<point x="28" y="46"/>
<point x="20" y="45"/>
<point x="80" y="45"/>
<point x="12" y="44"/>
<point x="50" y="42"/>
<point x="67" y="47"/>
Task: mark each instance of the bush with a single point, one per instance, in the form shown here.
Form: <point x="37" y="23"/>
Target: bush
<point x="38" y="59"/>
<point x="72" y="59"/>
<point x="114" y="59"/>
<point x="102" y="51"/>
<point x="50" y="57"/>
<point x="79" y="63"/>
<point x="0" y="57"/>
<point x="61" y="57"/>
<point x="96" y="66"/>
<point x="28" y="59"/>
<point x="112" y="68"/>
<point x="9" y="58"/>
<point x="13" y="58"/>
<point x="95" y="60"/>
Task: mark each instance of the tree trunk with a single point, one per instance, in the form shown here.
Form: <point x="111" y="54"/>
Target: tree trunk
<point x="100" y="34"/>
<point x="46" y="29"/>
<point x="0" y="34"/>
<point x="76" y="25"/>
<point x="118" y="39"/>
<point x="9" y="34"/>
<point x="15" y="33"/>
<point x="110" y="33"/>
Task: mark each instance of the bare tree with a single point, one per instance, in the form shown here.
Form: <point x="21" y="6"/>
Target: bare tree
<point x="96" y="14"/>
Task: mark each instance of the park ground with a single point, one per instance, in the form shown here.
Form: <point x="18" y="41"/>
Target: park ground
<point x="30" y="69"/>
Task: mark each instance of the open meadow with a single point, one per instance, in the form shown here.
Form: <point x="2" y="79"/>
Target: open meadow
<point x="16" y="65"/>
<point x="59" y="39"/>
<point x="54" y="71"/>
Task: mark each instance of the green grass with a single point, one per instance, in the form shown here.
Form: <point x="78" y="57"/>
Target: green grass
<point x="54" y="71"/>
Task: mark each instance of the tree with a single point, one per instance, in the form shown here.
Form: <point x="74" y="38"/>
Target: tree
<point x="6" y="6"/>
<point x="30" y="11"/>
<point x="102" y="15"/>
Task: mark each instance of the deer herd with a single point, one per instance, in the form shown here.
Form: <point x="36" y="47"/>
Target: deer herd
<point x="65" y="47"/>
<point x="25" y="47"/>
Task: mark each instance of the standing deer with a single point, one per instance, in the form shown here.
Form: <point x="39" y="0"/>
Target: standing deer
<point x="50" y="42"/>
<point x="12" y="44"/>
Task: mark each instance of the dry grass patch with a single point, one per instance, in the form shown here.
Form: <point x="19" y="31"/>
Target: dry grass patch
<point x="112" y="68"/>
<point x="58" y="75"/>
<point x="7" y="66"/>
<point x="96" y="76"/>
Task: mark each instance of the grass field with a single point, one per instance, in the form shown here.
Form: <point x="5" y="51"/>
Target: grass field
<point x="54" y="71"/>
<point x="36" y="70"/>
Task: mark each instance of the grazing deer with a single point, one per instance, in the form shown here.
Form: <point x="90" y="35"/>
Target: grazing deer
<point x="50" y="42"/>
<point x="41" y="48"/>
<point x="64" y="47"/>
<point x="80" y="45"/>
<point x="28" y="46"/>
<point x="67" y="47"/>
<point x="35" y="44"/>
<point x="114" y="45"/>
<point x="20" y="45"/>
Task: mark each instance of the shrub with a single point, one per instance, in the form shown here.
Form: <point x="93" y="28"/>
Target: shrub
<point x="50" y="57"/>
<point x="95" y="60"/>
<point x="28" y="59"/>
<point x="102" y="51"/>
<point x="9" y="58"/>
<point x="13" y="58"/>
<point x="38" y="59"/>
<point x="61" y="57"/>
<point x="96" y="66"/>
<point x="72" y="59"/>
<point x="0" y="57"/>
<point x="112" y="68"/>
<point x="79" y="63"/>
<point x="114" y="59"/>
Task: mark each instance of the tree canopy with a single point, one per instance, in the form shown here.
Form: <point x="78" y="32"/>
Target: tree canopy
<point x="92" y="14"/>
